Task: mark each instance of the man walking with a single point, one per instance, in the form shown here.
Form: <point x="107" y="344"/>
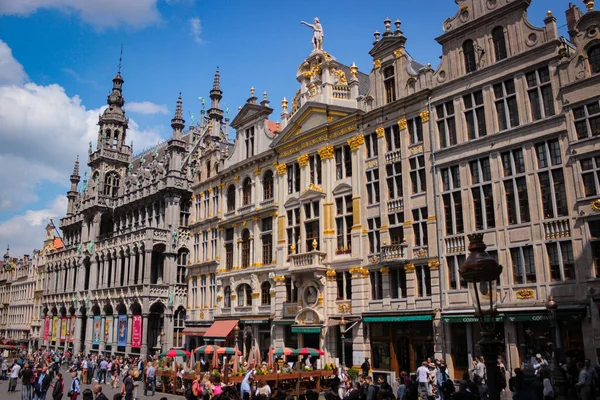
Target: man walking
<point x="98" y="395"/>
<point x="423" y="379"/>
<point x="42" y="383"/>
<point x="150" y="376"/>
<point x="127" y="387"/>
<point x="103" y="370"/>
<point x="26" y="375"/>
<point x="14" y="375"/>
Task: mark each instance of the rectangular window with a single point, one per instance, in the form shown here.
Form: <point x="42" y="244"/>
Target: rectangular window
<point x="389" y="83"/>
<point x="228" y="249"/>
<point x="293" y="226"/>
<point x="344" y="285"/>
<point x="539" y="90"/>
<point x="415" y="130"/>
<point x="481" y="190"/>
<point x="343" y="162"/>
<point x="205" y="245"/>
<point x="420" y="226"/>
<point x="587" y="120"/>
<point x="343" y="223"/>
<point x="475" y="114"/>
<point x="206" y="204"/>
<point x="454" y="279"/>
<point x="293" y="178"/>
<point x="562" y="264"/>
<point x="373" y="186"/>
<point x="215" y="201"/>
<point x="552" y="181"/>
<point x="311" y="225"/>
<point x="376" y="285"/>
<point x="213" y="243"/>
<point x="266" y="235"/>
<point x="197" y="247"/>
<point x="507" y="109"/>
<point x="594" y="227"/>
<point x="371" y="145"/>
<point x="452" y="200"/>
<point x="523" y="265"/>
<point x="417" y="174"/>
<point x="515" y="187"/>
<point x="590" y="175"/>
<point x="314" y="163"/>
<point x="373" y="234"/>
<point x="397" y="283"/>
<point x="291" y="292"/>
<point x="423" y="281"/>
<point x="394" y="180"/>
<point x="249" y="141"/>
<point x="446" y="124"/>
<point x="392" y="138"/>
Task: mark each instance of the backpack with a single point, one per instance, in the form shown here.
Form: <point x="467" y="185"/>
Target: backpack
<point x="189" y="392"/>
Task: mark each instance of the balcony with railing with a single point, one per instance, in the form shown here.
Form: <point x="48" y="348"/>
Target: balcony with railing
<point x="557" y="229"/>
<point x="395" y="205"/>
<point x="394" y="252"/>
<point x="455" y="244"/>
<point x="341" y="92"/>
<point x="310" y="260"/>
<point x="393" y="156"/>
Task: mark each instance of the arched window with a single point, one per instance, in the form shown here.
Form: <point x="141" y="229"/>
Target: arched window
<point x="178" y="325"/>
<point x="268" y="185"/>
<point x="115" y="141"/>
<point x="208" y="169"/>
<point x="111" y="184"/>
<point x="265" y="294"/>
<point x="106" y="138"/>
<point x="245" y="248"/>
<point x="469" y="54"/>
<point x="244" y="295"/>
<point x="231" y="198"/>
<point x="246" y="191"/>
<point x="227" y="297"/>
<point x="594" y="59"/>
<point x="499" y="43"/>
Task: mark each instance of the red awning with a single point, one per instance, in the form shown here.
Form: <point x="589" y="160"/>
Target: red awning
<point x="220" y="329"/>
<point x="195" y="331"/>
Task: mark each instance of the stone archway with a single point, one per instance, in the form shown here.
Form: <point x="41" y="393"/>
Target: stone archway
<point x="156" y="324"/>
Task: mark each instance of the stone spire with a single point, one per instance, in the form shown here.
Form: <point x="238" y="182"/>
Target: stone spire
<point x="115" y="98"/>
<point x="178" y="123"/>
<point x="216" y="94"/>
<point x="72" y="194"/>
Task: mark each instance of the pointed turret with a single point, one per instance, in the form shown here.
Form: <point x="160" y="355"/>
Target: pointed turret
<point x="73" y="193"/>
<point x="216" y="94"/>
<point x="178" y="123"/>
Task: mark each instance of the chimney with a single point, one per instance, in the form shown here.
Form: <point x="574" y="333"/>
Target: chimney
<point x="573" y="14"/>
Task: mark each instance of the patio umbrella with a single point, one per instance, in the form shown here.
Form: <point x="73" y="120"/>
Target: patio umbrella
<point x="258" y="358"/>
<point x="228" y="350"/>
<point x="215" y="361"/>
<point x="236" y="360"/>
<point x="251" y="360"/>
<point x="175" y="353"/>
<point x="206" y="349"/>
<point x="308" y="351"/>
<point x="270" y="356"/>
<point x="283" y="351"/>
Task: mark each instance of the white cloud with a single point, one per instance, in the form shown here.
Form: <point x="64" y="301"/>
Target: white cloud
<point x="146" y="107"/>
<point x="42" y="130"/>
<point x="196" y="29"/>
<point x="11" y="71"/>
<point x="99" y="13"/>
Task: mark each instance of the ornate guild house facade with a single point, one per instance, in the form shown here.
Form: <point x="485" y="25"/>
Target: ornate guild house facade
<point x="349" y="217"/>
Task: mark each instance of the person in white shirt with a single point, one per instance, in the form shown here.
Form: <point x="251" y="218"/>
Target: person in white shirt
<point x="14" y="375"/>
<point x="423" y="379"/>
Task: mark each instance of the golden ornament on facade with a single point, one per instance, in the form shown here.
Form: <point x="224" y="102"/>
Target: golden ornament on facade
<point x="384" y="270"/>
<point x="315" y="244"/>
<point x="331" y="273"/>
<point x="272" y="293"/>
<point x="255" y="295"/>
<point x="201" y="314"/>
<point x="256" y="171"/>
<point x="402" y="124"/>
<point x="356" y="142"/>
<point x="326" y="152"/>
<point x="210" y="190"/>
<point x="341" y="75"/>
<point x="409" y="268"/>
<point x="398" y="53"/>
<point x="380" y="131"/>
<point x="596" y="205"/>
<point x="284" y="104"/>
<point x="421" y="252"/>
<point x="281" y="169"/>
<point x="377" y="64"/>
<point x="353" y="70"/>
<point x="236" y="179"/>
<point x="219" y="298"/>
<point x="434" y="265"/>
<point x="424" y="115"/>
<point x="344" y="308"/>
<point x="233" y="296"/>
<point x="279" y="279"/>
<point x="293" y="248"/>
<point x="320" y="300"/>
<point x="314" y="187"/>
<point x="525" y="294"/>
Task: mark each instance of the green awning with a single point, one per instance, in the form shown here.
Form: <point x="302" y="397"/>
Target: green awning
<point x="399" y="318"/>
<point x="466" y="318"/>
<point x="284" y="322"/>
<point x="572" y="316"/>
<point x="306" y="329"/>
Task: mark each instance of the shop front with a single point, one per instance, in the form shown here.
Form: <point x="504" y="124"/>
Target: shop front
<point x="400" y="342"/>
<point x="255" y="332"/>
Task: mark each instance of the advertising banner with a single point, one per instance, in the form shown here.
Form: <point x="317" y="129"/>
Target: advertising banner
<point x="72" y="328"/>
<point x="97" y="330"/>
<point x="46" y="328"/>
<point x="136" y="332"/>
<point x="63" y="329"/>
<point x="108" y="330"/>
<point x="122" y="332"/>
<point x="54" y="328"/>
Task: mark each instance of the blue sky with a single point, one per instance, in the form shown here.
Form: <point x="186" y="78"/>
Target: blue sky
<point x="57" y="59"/>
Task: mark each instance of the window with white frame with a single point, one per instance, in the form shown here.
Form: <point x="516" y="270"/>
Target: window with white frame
<point x="206" y="204"/>
<point x="343" y="162"/>
<point x="244" y="295"/>
<point x="245" y="249"/>
<point x="194" y="291"/>
<point x="293" y="178"/>
<point x="293" y="226"/>
<point x="590" y="174"/>
<point x="197" y="206"/>
<point x="266" y="236"/>
<point x="398" y="283"/>
<point x="197" y="247"/>
<point x="551" y="179"/>
<point x="229" y="249"/>
<point x="415" y="130"/>
<point x="213" y="289"/>
<point x="539" y="90"/>
<point x="389" y="83"/>
<point x="184" y="213"/>
<point x="446" y="124"/>
<point x="215" y="200"/>
<point x="182" y="262"/>
<point x="452" y="200"/>
<point x="594" y="229"/>
<point x="515" y="187"/>
<point x="562" y="264"/>
<point x="417" y="174"/>
<point x="420" y="226"/>
<point x="227" y="297"/>
<point x="311" y="225"/>
<point x="423" y="281"/>
<point x="376" y="284"/>
<point x="499" y="42"/>
<point x="587" y="120"/>
<point x="523" y="262"/>
<point x="454" y="263"/>
<point x="204" y="245"/>
<point x="372" y="186"/>
<point x="291" y="291"/>
<point x="246" y="192"/>
<point x="392" y="138"/>
<point x="507" y="108"/>
<point x="475" y="114"/>
<point x="394" y="180"/>
<point x="203" y="300"/>
<point x="178" y="326"/>
<point x="213" y="243"/>
<point x="481" y="190"/>
<point x="314" y="164"/>
<point x="343" y="223"/>
<point x="373" y="234"/>
<point x="249" y="142"/>
<point x="371" y="145"/>
<point x="344" y="285"/>
<point x="268" y="185"/>
<point x="231" y="198"/>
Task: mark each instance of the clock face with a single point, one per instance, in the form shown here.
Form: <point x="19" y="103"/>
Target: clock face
<point x="311" y="295"/>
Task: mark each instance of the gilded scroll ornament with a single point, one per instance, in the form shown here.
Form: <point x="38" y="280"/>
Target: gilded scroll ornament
<point x="356" y="142"/>
<point x="303" y="160"/>
<point x="424" y="116"/>
<point x="398" y="53"/>
<point x="525" y="294"/>
<point x="380" y="131"/>
<point x="409" y="268"/>
<point x="402" y="124"/>
<point x="281" y="169"/>
<point x="377" y="64"/>
<point x="326" y="152"/>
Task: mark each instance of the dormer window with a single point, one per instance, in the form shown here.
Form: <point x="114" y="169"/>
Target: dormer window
<point x="469" y="54"/>
<point x="499" y="43"/>
<point x="594" y="59"/>
<point x="389" y="82"/>
<point x="250" y="142"/>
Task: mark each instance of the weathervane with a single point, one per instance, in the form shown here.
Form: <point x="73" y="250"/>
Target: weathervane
<point x="121" y="59"/>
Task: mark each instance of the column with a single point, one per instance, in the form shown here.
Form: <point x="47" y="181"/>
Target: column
<point x="93" y="273"/>
<point x="357" y="159"/>
<point x="114" y="338"/>
<point x="328" y="239"/>
<point x="128" y="274"/>
<point x="88" y="332"/>
<point x="102" y="337"/>
<point x="77" y="331"/>
<point x="129" y="330"/>
<point x="147" y="264"/>
<point x="144" y="349"/>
